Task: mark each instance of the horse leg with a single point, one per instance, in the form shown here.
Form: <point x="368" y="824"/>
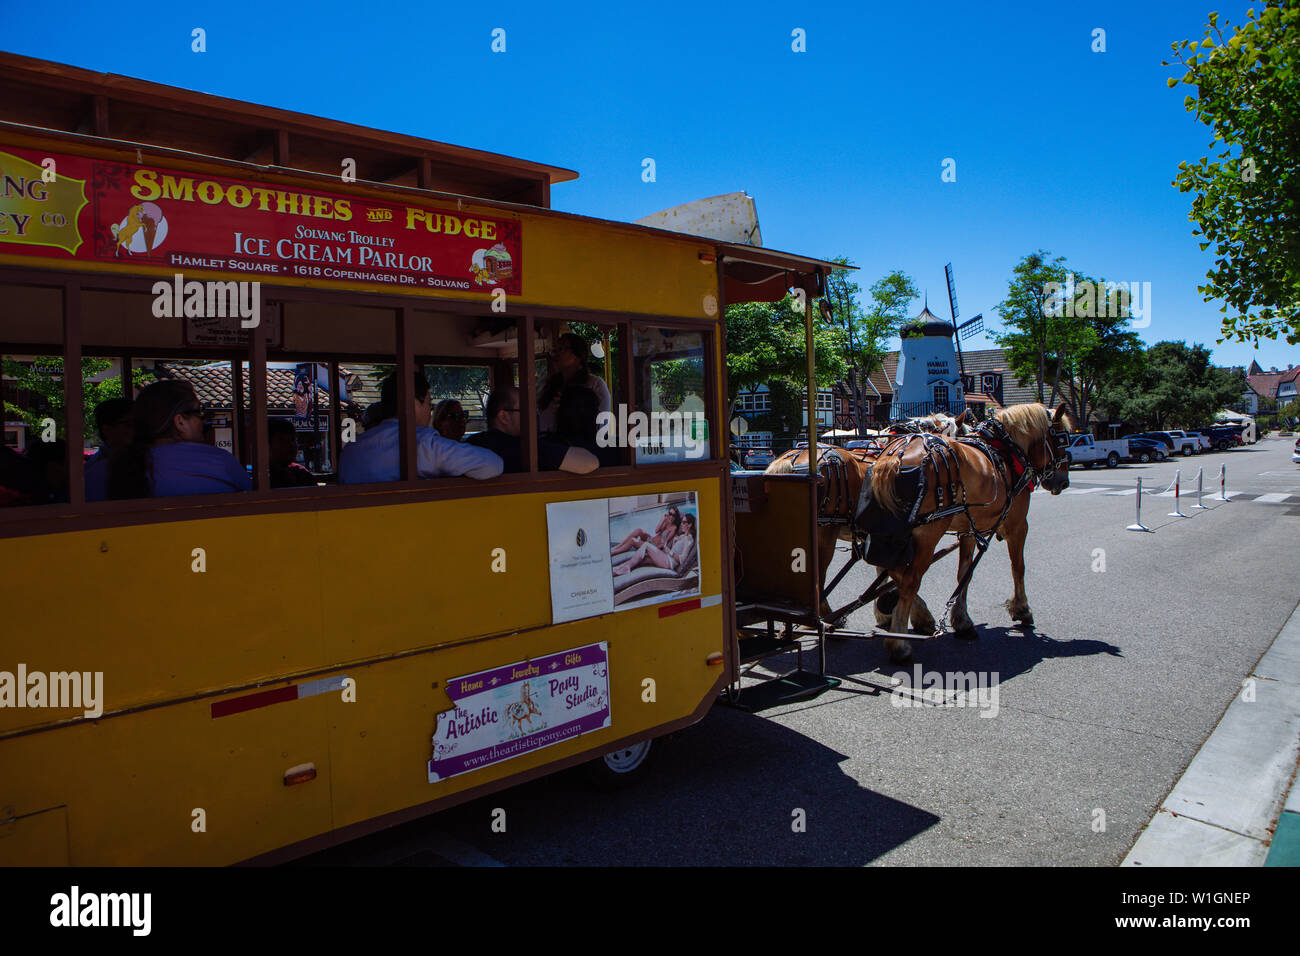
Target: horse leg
<point x="826" y="538"/>
<point x="963" y="627"/>
<point x="909" y="583"/>
<point x="1018" y="605"/>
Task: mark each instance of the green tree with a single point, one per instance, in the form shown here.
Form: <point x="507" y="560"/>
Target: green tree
<point x="866" y="330"/>
<point x="1095" y="347"/>
<point x="1033" y="335"/>
<point x="766" y="341"/>
<point x="1247" y="197"/>
<point x="766" y="344"/>
<point x="1173" y="386"/>
<point x="43" y="377"/>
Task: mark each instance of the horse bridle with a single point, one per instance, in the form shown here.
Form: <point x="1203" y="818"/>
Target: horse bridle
<point x="1056" y="442"/>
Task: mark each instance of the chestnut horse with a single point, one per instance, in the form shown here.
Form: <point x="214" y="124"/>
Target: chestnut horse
<point x="984" y="507"/>
<point x="844" y="470"/>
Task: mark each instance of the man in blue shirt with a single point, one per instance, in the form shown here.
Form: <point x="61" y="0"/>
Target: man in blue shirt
<point x="375" y="456"/>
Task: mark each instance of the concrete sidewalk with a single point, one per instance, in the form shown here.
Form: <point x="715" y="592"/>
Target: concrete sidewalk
<point x="1231" y="806"/>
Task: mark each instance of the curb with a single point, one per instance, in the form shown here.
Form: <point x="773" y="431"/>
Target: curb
<point x="1224" y="809"/>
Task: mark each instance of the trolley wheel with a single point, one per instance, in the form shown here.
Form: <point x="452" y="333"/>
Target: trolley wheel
<point x="624" y="767"/>
<point x="1112" y="460"/>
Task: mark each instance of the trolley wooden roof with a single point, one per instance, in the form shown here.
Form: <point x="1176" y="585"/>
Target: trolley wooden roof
<point x="60" y="97"/>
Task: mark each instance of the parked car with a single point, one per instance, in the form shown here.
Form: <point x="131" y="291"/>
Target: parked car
<point x="1147" y="450"/>
<point x="1087" y="451"/>
<point x="1163" y="437"/>
<point x="1224" y="437"/>
<point x="1295" y="457"/>
<point x="1184" y="443"/>
<point x="758" y="457"/>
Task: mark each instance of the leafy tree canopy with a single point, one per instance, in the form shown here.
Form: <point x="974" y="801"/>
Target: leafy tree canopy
<point x="1247" y="193"/>
<point x="43" y="377"/>
<point x="766" y="341"/>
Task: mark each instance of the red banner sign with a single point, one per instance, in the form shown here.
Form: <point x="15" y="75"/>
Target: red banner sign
<point x="71" y="207"/>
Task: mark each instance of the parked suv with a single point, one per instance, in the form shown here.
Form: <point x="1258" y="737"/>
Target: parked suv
<point x="1163" y="437"/>
<point x="1147" y="449"/>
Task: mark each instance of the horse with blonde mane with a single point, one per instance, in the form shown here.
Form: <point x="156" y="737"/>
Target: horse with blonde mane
<point x="843" y="472"/>
<point x="975" y="487"/>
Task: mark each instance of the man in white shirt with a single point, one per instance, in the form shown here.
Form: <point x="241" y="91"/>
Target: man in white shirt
<point x="375" y="455"/>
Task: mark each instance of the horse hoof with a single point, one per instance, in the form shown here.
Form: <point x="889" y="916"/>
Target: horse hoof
<point x="966" y="634"/>
<point x="1027" y="619"/>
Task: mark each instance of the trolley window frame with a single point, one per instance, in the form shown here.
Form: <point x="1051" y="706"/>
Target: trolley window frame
<point x="78" y="514"/>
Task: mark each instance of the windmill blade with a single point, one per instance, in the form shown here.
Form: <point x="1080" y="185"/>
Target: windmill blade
<point x="952" y="291"/>
<point x="971" y="327"/>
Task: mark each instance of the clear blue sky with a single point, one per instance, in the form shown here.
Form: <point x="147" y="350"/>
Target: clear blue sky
<point x="841" y="147"/>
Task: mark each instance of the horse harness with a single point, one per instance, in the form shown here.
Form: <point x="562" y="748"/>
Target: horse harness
<point x="1009" y="462"/>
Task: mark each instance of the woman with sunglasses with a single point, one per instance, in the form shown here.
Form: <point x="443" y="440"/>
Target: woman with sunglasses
<point x="166" y="454"/>
<point x="449" y="419"/>
<point x="672" y="558"/>
<point x="664" y="532"/>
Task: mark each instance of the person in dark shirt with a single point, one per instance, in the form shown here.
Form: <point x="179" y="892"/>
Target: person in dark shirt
<point x="575" y="424"/>
<point x="502" y="437"/>
<point x="21" y="478"/>
<point x="283" y="442"/>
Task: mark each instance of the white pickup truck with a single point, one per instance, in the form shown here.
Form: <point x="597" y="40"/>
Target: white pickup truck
<point x="1087" y="451"/>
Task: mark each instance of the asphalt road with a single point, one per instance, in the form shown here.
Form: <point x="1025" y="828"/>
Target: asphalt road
<point x="1100" y="707"/>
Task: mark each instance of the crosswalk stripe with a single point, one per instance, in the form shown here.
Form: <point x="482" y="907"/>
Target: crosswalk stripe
<point x="1081" y="491"/>
<point x="1126" y="491"/>
<point x="1273" y="498"/>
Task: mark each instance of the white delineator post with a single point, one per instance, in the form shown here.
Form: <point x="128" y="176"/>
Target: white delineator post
<point x="1138" y="525"/>
<point x="1223" y="483"/>
<point x="1200" y="475"/>
<point x="1178" y="505"/>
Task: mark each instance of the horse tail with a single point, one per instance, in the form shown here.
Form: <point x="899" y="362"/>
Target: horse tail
<point x="883" y="477"/>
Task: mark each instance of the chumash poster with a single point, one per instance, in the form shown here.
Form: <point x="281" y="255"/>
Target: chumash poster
<point x="613" y="554"/>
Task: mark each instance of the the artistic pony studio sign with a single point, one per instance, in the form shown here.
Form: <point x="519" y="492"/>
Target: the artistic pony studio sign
<point x="71" y="207"/>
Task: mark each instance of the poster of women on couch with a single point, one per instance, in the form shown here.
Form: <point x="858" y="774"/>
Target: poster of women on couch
<point x="654" y="548"/>
<point x="613" y="554"/>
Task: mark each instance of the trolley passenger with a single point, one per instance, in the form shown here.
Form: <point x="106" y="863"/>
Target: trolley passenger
<point x="375" y="456"/>
<point x="166" y="454"/>
<point x="114" y="423"/>
<point x="570" y="359"/>
<point x="449" y="419"/>
<point x="283" y="442"/>
<point x="575" y="424"/>
<point x="502" y="437"/>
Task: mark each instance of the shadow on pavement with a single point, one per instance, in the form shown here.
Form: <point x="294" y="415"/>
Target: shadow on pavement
<point x="721" y="793"/>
